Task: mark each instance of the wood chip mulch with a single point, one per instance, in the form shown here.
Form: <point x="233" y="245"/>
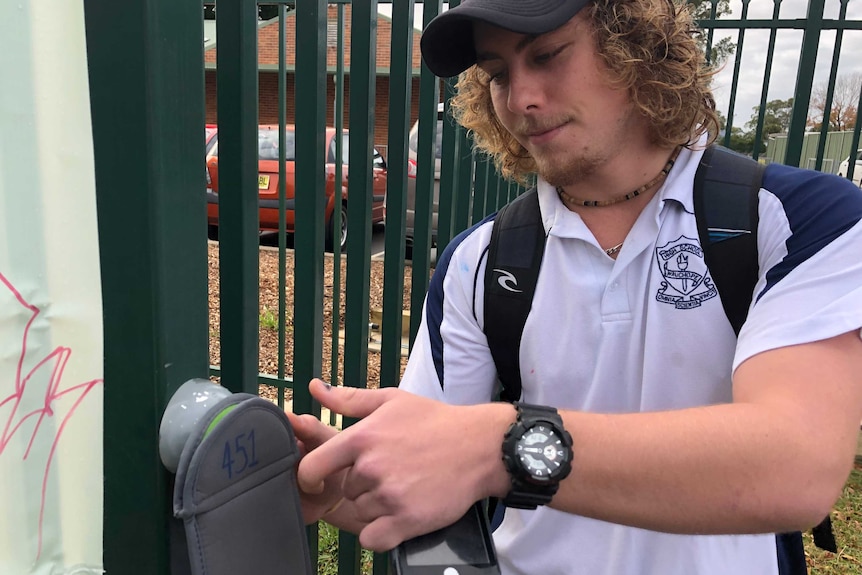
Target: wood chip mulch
<point x="269" y="312"/>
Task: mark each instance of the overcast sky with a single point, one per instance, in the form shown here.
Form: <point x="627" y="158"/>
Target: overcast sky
<point x="787" y="50"/>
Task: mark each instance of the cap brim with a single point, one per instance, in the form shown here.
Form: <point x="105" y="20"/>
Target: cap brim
<point x="447" y="42"/>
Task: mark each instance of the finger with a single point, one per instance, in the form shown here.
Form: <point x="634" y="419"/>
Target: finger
<point x="327" y="459"/>
<point x="349" y="401"/>
<point x="310" y="431"/>
<point x="383" y="534"/>
<point x="366" y="505"/>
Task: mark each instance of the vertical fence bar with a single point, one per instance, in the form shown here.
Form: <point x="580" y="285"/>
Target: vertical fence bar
<point x="449" y="165"/>
<point x="480" y="188"/>
<point x="236" y="26"/>
<point x="429" y="96"/>
<point x="464" y="199"/>
<point x="338" y="116"/>
<point x="767" y="74"/>
<point x="854" y="141"/>
<point x="400" y="90"/>
<point x="282" y="200"/>
<point x="804" y="81"/>
<point x="363" y="68"/>
<point x="363" y="56"/>
<point x="830" y="90"/>
<point x="737" y="64"/>
<point x="309" y="196"/>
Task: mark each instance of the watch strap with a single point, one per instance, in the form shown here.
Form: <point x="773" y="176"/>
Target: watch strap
<point x="521" y="499"/>
<point x="525" y="495"/>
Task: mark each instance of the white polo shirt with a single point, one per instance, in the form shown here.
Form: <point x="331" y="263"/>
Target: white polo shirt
<point x="633" y="334"/>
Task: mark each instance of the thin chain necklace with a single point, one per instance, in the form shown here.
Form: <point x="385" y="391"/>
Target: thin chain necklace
<point x="613" y="251"/>
<point x="573" y="201"/>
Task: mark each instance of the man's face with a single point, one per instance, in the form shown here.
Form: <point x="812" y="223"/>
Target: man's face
<point x="552" y="93"/>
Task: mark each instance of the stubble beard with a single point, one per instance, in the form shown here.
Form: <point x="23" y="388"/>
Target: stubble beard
<point x="566" y="169"/>
<point x="568" y="166"/>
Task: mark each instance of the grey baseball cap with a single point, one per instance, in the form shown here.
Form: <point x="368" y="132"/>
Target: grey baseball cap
<point x="447" y="42"/>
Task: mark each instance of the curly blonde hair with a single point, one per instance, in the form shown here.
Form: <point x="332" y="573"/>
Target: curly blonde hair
<point x="649" y="47"/>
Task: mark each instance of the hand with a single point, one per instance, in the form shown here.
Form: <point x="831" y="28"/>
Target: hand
<point x="311" y="433"/>
<point x="411" y="465"/>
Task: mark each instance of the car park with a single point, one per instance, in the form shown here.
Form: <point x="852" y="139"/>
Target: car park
<point x="412" y="168"/>
<point x="267" y="188"/>
<point x="844" y="168"/>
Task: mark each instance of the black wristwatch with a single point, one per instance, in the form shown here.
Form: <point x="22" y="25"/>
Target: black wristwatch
<point x="537" y="453"/>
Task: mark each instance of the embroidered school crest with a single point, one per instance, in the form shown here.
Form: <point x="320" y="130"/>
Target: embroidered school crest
<point x="686" y="279"/>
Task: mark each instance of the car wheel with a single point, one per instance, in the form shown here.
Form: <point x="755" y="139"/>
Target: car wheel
<point x="212" y="232"/>
<point x="340" y="235"/>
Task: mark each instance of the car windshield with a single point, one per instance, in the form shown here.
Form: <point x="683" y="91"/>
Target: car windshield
<point x="267" y="145"/>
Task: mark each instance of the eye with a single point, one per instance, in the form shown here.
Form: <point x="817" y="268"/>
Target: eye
<point x="495" y="75"/>
<point x="545" y="57"/>
<point x="498" y="78"/>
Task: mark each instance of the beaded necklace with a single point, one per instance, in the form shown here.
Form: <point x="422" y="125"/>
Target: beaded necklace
<point x="573" y="201"/>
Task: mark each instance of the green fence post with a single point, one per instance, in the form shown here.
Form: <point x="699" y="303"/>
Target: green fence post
<point x="236" y="25"/>
<point x="145" y="71"/>
<point x="429" y="97"/>
<point x="804" y="81"/>
<point x="310" y="197"/>
<point x="400" y="89"/>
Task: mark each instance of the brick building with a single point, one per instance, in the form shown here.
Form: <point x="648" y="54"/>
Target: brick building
<point x="268" y="71"/>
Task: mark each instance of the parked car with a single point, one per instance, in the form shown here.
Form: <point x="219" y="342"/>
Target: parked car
<point x="844" y="169"/>
<point x="210" y="131"/>
<point x="412" y="154"/>
<point x="267" y="142"/>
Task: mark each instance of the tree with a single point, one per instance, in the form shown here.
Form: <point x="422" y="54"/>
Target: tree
<point x="845" y="98"/>
<point x="743" y="142"/>
<point x="702" y="10"/>
<point x="776" y="117"/>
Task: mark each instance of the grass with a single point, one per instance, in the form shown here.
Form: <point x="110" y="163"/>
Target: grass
<point x="846" y="522"/>
<point x="327" y="557"/>
<point x="847" y="526"/>
<point x="268" y="319"/>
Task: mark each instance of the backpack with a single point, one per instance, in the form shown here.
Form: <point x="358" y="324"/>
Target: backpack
<point x="726" y="187"/>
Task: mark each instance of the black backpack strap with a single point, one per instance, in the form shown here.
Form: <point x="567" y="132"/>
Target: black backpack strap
<point x="514" y="258"/>
<point x="726" y="188"/>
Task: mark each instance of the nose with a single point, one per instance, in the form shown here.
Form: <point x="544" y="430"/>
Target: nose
<point x="524" y="91"/>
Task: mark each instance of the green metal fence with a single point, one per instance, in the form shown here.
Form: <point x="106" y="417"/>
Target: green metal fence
<point x="147" y="75"/>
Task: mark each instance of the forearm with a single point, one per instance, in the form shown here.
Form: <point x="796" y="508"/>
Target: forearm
<point x="773" y="460"/>
<point x="734" y="468"/>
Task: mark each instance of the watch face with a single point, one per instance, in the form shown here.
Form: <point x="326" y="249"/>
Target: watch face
<point x="542" y="452"/>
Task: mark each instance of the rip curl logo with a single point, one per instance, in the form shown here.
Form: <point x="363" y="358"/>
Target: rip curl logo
<point x="507" y="280"/>
<point x="686" y="282"/>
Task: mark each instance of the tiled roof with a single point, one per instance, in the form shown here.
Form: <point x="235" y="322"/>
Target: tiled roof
<point x="267" y="42"/>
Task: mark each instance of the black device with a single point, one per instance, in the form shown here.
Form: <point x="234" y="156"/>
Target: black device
<point x="463" y="548"/>
<point x="537" y="452"/>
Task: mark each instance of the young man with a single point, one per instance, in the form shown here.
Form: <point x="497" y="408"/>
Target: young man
<point x="690" y="448"/>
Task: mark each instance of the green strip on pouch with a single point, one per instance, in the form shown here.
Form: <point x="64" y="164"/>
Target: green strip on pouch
<point x="218" y="418"/>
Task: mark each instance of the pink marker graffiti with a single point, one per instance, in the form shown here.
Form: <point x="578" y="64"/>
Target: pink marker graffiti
<point x="45" y="378"/>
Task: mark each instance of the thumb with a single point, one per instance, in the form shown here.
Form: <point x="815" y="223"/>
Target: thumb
<point x="349" y="401"/>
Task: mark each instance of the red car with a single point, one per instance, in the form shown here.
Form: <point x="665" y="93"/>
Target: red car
<point x="267" y="142"/>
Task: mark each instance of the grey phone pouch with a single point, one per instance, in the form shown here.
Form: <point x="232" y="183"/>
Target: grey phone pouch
<point x="236" y="492"/>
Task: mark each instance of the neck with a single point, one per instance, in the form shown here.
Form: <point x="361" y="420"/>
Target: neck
<point x="631" y="179"/>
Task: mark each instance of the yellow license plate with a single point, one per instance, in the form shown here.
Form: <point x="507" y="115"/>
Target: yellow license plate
<point x="262" y="182"/>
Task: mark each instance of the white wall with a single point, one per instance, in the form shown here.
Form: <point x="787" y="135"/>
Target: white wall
<point x="50" y="302"/>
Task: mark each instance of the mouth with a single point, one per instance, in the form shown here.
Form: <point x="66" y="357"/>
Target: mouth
<point x="542" y="135"/>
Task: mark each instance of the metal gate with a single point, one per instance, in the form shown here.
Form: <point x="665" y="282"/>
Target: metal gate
<point x="147" y="91"/>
